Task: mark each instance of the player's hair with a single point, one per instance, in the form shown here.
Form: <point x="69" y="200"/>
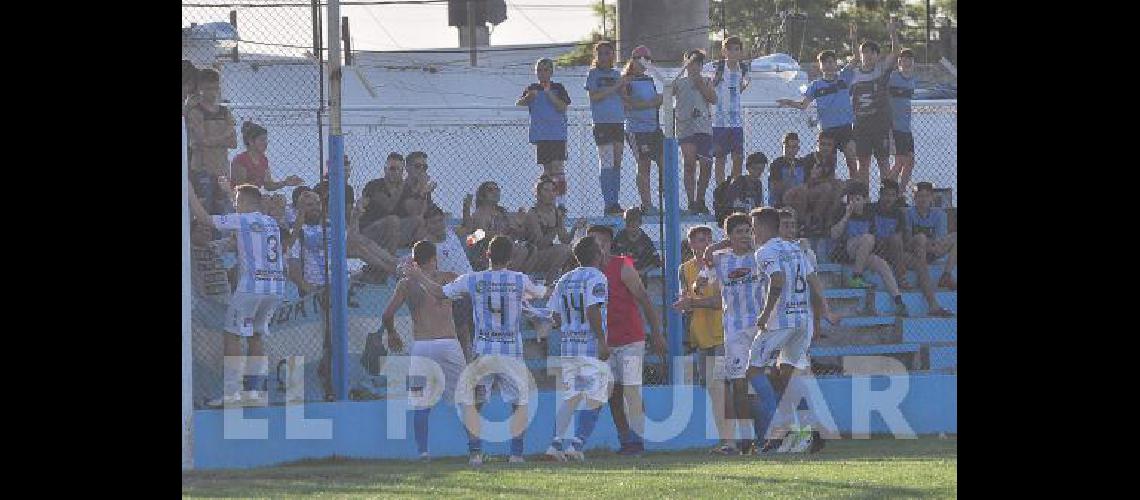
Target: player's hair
<point x="481" y="192"/>
<point x="416" y="154"/>
<point x="732" y="40"/>
<point x="697" y="54"/>
<point x="395" y="156"/>
<point x="545" y="61"/>
<point x="924" y="186"/>
<point x="869" y="44"/>
<point x="208" y="75"/>
<point x="632" y="212"/>
<point x="906" y="53"/>
<point x="600" y="44"/>
<point x="736" y="219"/>
<point x="500" y="250"/>
<point x="757" y="158"/>
<point x="423" y="251"/>
<point x="791" y="135"/>
<point x="601" y="228"/>
<point x="699" y="229"/>
<point x="767" y="217"/>
<point x="826" y="55"/>
<point x="250" y="192"/>
<point x="586" y="251"/>
<point x="251" y="131"/>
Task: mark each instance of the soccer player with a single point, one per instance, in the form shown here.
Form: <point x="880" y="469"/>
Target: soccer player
<point x="435" y="339"/>
<point x="261" y="287"/>
<point x="625" y="335"/>
<point x="832" y="98"/>
<point x="547" y="102"/>
<point x="605" y="84"/>
<point x="497" y="296"/>
<point x="741" y="299"/>
<point x="786" y="325"/>
<point x="729" y="81"/>
<point x="580" y="298"/>
<point x="643" y="122"/>
<point x="901" y="85"/>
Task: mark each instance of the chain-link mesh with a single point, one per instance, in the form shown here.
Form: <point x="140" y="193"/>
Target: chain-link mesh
<point x="275" y="82"/>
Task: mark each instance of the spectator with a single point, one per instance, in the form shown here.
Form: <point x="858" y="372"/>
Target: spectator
<point x="930" y="238"/>
<point x="788" y="172"/>
<point x="729" y="81"/>
<point x="694" y="126"/>
<point x="604" y="84"/>
<point x="210" y="127"/>
<point x="743" y="193"/>
<point x="308" y="246"/>
<point x="547" y="102"/>
<point x="544" y="223"/>
<point x="888" y="221"/>
<point x="291" y="210"/>
<point x="643" y="122"/>
<point x="823" y="189"/>
<point x="322" y="187"/>
<point x="706" y="334"/>
<point x="856" y="241"/>
<point x="189" y="82"/>
<point x="494" y="220"/>
<point x="832" y="98"/>
<point x="901" y="85"/>
<point x="870" y="102"/>
<point x="209" y="276"/>
<point x="383" y="193"/>
<point x="252" y="165"/>
<point x="399" y="229"/>
<point x="379" y="262"/>
<point x="633" y="241"/>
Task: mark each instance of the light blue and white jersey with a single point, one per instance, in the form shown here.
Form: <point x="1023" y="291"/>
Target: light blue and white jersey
<point x="497" y="303"/>
<point x="728" y="111"/>
<point x="793" y="306"/>
<point x="741" y="289"/>
<point x="260" y="255"/>
<point x="574" y="293"/>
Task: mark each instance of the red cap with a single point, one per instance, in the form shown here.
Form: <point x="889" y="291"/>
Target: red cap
<point x="641" y="51"/>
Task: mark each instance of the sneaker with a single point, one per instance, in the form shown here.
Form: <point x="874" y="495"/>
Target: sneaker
<point x="725" y="450"/>
<point x="770" y="446"/>
<point x="516" y="459"/>
<point x="901" y="311"/>
<point x="573" y="453"/>
<point x="947" y="282"/>
<point x="255" y="398"/>
<point x="425" y="457"/>
<point x="614" y="210"/>
<point x="554" y="454"/>
<point x="856" y="281"/>
<point x="475" y="459"/>
<point x="229" y="400"/>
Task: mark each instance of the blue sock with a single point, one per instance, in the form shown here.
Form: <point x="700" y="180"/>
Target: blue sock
<point x="764" y="409"/>
<point x="585" y="424"/>
<point x="610" y="179"/>
<point x="517" y="446"/>
<point x="420" y="426"/>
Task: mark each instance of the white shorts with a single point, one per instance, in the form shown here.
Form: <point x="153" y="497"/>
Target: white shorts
<point x="587" y="376"/>
<point x="736" y="347"/>
<point x="625" y="363"/>
<point x="249" y="313"/>
<point x="788" y="346"/>
<point x="507" y="374"/>
<point x="423" y="380"/>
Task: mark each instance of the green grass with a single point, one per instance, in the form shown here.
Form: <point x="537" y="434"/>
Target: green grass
<point x="877" y="468"/>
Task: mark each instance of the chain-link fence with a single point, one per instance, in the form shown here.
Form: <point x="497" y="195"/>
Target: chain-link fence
<point x="278" y="85"/>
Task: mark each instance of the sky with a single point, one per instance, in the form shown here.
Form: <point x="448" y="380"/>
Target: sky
<point x="396" y="27"/>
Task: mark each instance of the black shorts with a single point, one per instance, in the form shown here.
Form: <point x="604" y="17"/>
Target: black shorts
<point x="904" y="142"/>
<point x="549" y="151"/>
<point x="841" y="135"/>
<point x="872" y="139"/>
<point x="646" y="145"/>
<point x="608" y="133"/>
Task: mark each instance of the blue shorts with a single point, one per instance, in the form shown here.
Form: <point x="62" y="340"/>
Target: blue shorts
<point x="728" y="139"/>
<point x="703" y="143"/>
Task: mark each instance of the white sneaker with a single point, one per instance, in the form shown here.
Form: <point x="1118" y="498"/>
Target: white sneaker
<point x="575" y="454"/>
<point x="255" y="398"/>
<point x="516" y="459"/>
<point x="228" y="400"/>
<point x="554" y="454"/>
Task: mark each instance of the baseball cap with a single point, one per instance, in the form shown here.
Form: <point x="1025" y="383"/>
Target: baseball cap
<point x="642" y="51"/>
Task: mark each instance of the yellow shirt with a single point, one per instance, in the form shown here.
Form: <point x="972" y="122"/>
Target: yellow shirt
<point x="706" y="328"/>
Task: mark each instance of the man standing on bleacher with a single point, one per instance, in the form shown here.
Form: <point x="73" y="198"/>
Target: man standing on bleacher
<point x="626" y="339"/>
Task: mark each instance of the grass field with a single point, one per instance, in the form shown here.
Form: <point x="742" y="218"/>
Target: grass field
<point x="877" y="468"/>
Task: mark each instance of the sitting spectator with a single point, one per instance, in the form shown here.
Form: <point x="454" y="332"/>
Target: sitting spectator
<point x="633" y="241"/>
<point x="888" y="225"/>
<point x="398" y="229"/>
<point x="930" y="239"/>
<point x="322" y="187"/>
<point x="856" y="241"/>
<point x="210" y="127"/>
<point x="741" y="193"/>
<point x="291" y="210"/>
<point x="379" y="262"/>
<point x="252" y="165"/>
<point x="788" y="171"/>
<point x="308" y="243"/>
<point x="544" y="223"/>
<point x="494" y="220"/>
<point x="383" y="193"/>
<point x="823" y="190"/>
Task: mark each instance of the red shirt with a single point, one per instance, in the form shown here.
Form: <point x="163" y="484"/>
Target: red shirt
<point x="623" y="320"/>
<point x="255" y="173"/>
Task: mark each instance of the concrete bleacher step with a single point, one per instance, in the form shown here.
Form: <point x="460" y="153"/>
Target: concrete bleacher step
<point x="943" y="358"/>
<point x="915" y="303"/>
<point x="864" y="350"/>
<point x="930" y="330"/>
<point x="876" y="280"/>
<point x="860" y="330"/>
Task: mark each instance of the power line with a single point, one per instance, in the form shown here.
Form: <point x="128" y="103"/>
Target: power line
<point x="531" y="21"/>
<point x="258" y="5"/>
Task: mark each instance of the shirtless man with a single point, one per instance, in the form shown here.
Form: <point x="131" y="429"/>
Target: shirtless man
<point x="435" y="340"/>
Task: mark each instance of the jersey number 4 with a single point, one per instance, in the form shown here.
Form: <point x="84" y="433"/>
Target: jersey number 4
<point x="502" y="311"/>
<point x="579" y="305"/>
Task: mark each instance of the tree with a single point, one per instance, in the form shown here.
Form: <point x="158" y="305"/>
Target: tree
<point x="583" y="52"/>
